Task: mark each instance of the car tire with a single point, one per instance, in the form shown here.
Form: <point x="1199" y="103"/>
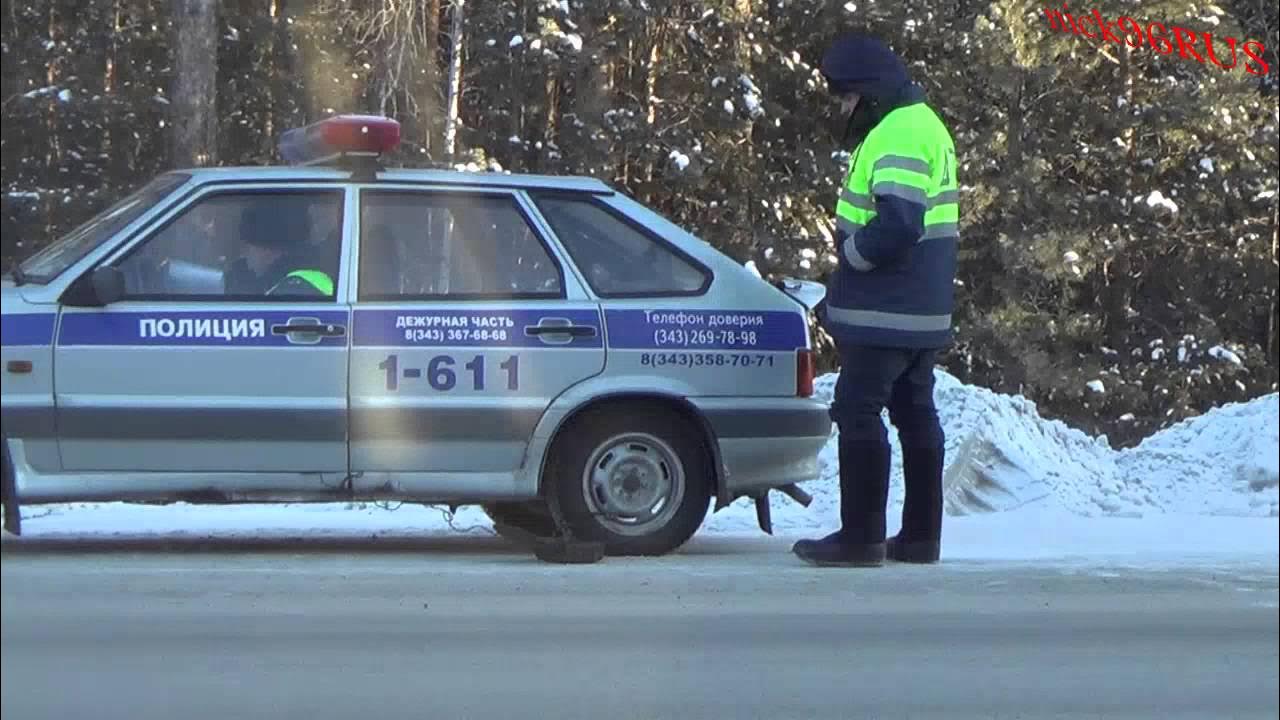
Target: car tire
<point x="520" y="522"/>
<point x="636" y="478"/>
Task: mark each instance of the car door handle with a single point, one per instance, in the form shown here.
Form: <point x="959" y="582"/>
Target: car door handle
<point x="574" y="330"/>
<point x="323" y="330"/>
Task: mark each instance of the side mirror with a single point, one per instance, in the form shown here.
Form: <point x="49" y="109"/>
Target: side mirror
<point x="108" y="284"/>
<point x="103" y="287"/>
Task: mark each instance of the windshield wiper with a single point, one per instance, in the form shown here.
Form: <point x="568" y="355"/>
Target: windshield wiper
<point x="19" y="277"/>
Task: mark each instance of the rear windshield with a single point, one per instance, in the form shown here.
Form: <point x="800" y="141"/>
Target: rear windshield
<point x="66" y="251"/>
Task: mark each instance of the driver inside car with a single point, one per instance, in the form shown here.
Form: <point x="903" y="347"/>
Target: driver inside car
<point x="274" y="260"/>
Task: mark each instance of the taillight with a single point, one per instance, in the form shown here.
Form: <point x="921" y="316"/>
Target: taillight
<point x="804" y="373"/>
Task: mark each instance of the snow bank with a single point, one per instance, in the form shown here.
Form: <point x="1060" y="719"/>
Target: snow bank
<point x="1225" y="462"/>
<point x="1002" y="457"/>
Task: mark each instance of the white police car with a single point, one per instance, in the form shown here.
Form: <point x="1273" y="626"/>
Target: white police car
<point x="543" y="346"/>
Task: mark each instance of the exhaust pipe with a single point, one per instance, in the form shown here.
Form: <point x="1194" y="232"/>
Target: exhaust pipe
<point x="764" y="514"/>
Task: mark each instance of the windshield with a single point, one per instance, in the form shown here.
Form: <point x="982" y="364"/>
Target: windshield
<point x="53" y="259"/>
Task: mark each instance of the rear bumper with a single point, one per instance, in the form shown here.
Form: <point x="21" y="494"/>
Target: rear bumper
<point x="766" y="443"/>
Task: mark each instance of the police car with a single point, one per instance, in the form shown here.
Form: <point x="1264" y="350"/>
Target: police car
<point x="545" y="347"/>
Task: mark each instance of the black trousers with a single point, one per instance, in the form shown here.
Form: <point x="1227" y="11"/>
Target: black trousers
<point x="901" y="379"/>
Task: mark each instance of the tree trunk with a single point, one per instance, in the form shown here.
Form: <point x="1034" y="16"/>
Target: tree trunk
<point x="53" y="157"/>
<point x="430" y="102"/>
<point x="589" y="91"/>
<point x="296" y="106"/>
<point x="1017" y="116"/>
<point x="269" y="122"/>
<point x="651" y="75"/>
<point x="1273" y="327"/>
<point x="193" y="121"/>
<point x="455" y="80"/>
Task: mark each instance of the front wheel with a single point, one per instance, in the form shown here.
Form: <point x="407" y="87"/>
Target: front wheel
<point x="637" y="479"/>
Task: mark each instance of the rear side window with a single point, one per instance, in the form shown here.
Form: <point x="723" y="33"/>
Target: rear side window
<point x="619" y="258"/>
<point x="451" y="246"/>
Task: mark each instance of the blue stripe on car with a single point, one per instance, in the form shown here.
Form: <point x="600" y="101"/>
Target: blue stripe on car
<point x="497" y="327"/>
<point x="26" y="329"/>
<point x="676" y="329"/>
<point x="246" y="328"/>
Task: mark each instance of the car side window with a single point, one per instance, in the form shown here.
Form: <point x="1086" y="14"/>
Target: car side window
<point x="241" y="245"/>
<point x="619" y="259"/>
<point x="421" y="245"/>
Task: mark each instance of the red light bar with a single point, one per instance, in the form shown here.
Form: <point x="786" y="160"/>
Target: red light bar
<point x="340" y="135"/>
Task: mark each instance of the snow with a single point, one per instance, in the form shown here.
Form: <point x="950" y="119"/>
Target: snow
<point x="1096" y="386"/>
<point x="679" y="160"/>
<point x="1222" y="353"/>
<point x="1206" y="164"/>
<point x="1156" y="198"/>
<point x="39" y="92"/>
<point x="516" y="41"/>
<point x="1003" y="458"/>
<point x="1016" y="486"/>
<point x="751" y="265"/>
<point x="728" y="106"/>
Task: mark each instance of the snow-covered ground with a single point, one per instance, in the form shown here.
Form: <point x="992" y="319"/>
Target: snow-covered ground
<point x="1017" y="487"/>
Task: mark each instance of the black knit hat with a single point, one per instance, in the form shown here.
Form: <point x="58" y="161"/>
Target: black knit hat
<point x="274" y="223"/>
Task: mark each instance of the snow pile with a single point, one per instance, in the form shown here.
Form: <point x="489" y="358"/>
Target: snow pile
<point x="1225" y="462"/>
<point x="1002" y="456"/>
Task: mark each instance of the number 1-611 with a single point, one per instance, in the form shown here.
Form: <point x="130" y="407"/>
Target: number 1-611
<point x="442" y="373"/>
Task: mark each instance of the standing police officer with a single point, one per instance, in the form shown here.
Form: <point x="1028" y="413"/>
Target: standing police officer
<point x="889" y="304"/>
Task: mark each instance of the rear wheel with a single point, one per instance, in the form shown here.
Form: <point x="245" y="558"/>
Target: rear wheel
<point x="636" y="478"/>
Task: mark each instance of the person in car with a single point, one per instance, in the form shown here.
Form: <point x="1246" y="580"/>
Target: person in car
<point x="275" y="258"/>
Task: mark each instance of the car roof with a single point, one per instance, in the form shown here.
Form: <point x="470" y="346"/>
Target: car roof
<point x="288" y="173"/>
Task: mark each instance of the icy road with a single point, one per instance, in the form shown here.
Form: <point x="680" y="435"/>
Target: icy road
<point x="463" y="627"/>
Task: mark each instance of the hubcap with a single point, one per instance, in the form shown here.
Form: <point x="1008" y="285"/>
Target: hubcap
<point x="633" y="483"/>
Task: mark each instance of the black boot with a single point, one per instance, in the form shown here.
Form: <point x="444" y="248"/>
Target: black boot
<point x="864" y="481"/>
<point x="919" y="541"/>
<point x="923" y="552"/>
<point x="833" y="551"/>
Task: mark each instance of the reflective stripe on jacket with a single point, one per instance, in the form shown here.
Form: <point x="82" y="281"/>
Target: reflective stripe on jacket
<point x="304" y="280"/>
